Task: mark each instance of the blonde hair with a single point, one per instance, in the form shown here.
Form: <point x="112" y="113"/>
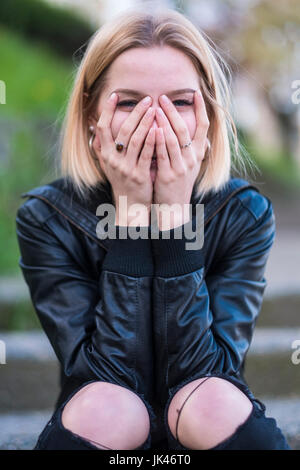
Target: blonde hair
<point x="134" y="28"/>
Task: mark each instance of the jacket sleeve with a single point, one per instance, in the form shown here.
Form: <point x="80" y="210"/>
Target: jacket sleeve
<point x="204" y="324"/>
<point x="98" y="328"/>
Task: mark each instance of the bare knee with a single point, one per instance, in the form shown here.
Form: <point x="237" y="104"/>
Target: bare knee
<point x="107" y="414"/>
<point x="210" y="415"/>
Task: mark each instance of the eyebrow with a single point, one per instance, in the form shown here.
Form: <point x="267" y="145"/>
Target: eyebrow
<point x="138" y="94"/>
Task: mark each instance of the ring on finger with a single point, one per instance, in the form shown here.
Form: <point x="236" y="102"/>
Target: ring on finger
<point x="164" y="117"/>
<point x="120" y="146"/>
<point x="186" y="145"/>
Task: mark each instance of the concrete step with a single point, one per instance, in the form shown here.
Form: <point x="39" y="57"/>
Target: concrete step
<point x="273" y="362"/>
<point x="282" y="269"/>
<point x="30" y="377"/>
<point x="281" y="310"/>
<point x="19" y="431"/>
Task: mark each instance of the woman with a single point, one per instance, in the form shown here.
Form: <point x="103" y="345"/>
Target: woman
<point x="151" y="336"/>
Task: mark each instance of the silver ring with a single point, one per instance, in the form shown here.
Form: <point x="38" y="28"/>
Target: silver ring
<point x="186" y="145"/>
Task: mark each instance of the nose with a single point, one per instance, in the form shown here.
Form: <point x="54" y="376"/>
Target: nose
<point x="155" y="105"/>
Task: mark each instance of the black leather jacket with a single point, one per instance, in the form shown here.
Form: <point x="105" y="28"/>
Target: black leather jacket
<point x="146" y="314"/>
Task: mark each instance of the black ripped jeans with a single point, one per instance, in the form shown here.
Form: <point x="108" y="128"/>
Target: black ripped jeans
<point x="258" y="432"/>
<point x="56" y="437"/>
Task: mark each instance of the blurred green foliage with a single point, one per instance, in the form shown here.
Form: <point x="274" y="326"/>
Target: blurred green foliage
<point x="37" y="85"/>
<point x="18" y="316"/>
<point x="37" y="80"/>
<point x="278" y="167"/>
<point x="25" y="169"/>
<point x="38" y="20"/>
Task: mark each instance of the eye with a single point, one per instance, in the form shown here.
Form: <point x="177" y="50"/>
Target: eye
<point x="183" y="103"/>
<point x="180" y="103"/>
<point x="126" y="103"/>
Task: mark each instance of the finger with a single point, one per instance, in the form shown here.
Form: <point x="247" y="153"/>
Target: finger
<point x="178" y="125"/>
<point x="104" y="122"/>
<point x="147" y="152"/>
<point x="171" y="140"/>
<point x="163" y="161"/>
<point x="138" y="137"/>
<point x="201" y="119"/>
<point x="132" y="121"/>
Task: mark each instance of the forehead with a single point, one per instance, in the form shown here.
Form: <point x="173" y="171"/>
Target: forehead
<point x="157" y="66"/>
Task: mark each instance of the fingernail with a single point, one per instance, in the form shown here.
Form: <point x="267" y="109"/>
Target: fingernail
<point x="146" y="100"/>
<point x="164" y="99"/>
<point x="112" y="96"/>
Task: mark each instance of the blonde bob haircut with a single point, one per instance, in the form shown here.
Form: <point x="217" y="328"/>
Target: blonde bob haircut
<point x="149" y="27"/>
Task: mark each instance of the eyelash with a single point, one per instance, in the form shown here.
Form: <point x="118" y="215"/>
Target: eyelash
<point x="125" y="103"/>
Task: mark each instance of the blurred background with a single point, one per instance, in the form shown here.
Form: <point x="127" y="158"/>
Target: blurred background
<point x="41" y="43"/>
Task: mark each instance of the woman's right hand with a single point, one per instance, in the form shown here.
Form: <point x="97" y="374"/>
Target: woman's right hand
<point x="128" y="175"/>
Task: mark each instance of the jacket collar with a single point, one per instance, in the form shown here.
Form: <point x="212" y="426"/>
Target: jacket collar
<point x="62" y="196"/>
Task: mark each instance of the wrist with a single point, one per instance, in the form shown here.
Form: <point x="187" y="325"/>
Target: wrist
<point x="127" y="220"/>
<point x="169" y="217"/>
<point x="133" y="215"/>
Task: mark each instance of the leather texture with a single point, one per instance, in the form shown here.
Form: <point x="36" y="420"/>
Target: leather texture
<point x="139" y="329"/>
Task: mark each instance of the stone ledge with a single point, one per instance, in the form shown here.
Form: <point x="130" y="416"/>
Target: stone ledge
<point x="34" y="345"/>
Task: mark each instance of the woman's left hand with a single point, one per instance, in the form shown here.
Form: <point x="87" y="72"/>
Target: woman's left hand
<point x="177" y="168"/>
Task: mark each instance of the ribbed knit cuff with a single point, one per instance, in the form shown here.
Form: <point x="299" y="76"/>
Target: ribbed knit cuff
<point x="171" y="255"/>
<point x="129" y="256"/>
